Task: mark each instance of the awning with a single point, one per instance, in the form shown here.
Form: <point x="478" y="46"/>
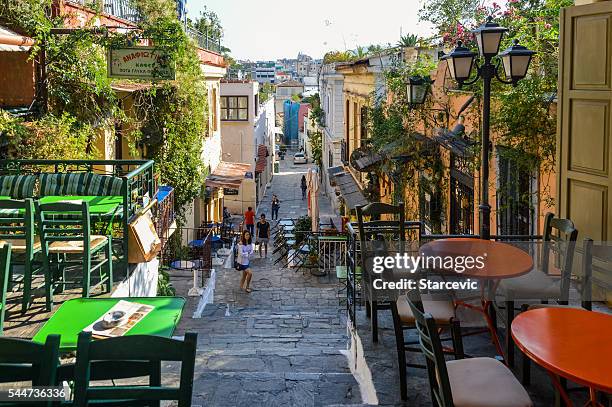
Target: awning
<point x="350" y="191"/>
<point x="130" y="87"/>
<point x="262" y="158"/>
<point x="11" y="41"/>
<point x="452" y="141"/>
<point x="228" y="175"/>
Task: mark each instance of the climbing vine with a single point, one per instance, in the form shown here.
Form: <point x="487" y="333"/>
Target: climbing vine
<point x="82" y="103"/>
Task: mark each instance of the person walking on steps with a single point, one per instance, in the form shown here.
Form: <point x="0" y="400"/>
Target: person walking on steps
<point x="275" y="206"/>
<point x="249" y="220"/>
<point x="263" y="234"/>
<point x="304" y="187"/>
<point x="245" y="250"/>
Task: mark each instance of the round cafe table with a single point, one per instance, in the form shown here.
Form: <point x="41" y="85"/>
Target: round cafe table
<point x="501" y="261"/>
<point x="571" y="343"/>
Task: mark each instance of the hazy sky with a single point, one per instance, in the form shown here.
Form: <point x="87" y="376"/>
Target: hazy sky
<point x="271" y="29"/>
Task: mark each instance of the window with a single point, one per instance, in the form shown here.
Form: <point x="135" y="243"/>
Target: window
<point x="234" y="108"/>
<point x="214" y="110"/>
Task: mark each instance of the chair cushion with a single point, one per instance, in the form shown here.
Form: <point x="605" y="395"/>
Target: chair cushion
<point x="76" y="246"/>
<point x="485" y="382"/>
<point x="72" y="183"/>
<point x="19" y="245"/>
<point x="443" y="311"/>
<point x="17" y="186"/>
<point x="103" y="185"/>
<point x="535" y="285"/>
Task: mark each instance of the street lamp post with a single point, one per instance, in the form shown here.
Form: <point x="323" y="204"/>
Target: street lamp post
<point x="515" y="61"/>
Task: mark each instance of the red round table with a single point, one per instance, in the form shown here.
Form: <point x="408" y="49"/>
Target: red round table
<point x="568" y="342"/>
<point x="501" y="261"/>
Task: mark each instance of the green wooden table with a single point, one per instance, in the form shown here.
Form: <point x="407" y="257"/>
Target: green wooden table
<point x="107" y="207"/>
<point x="77" y="314"/>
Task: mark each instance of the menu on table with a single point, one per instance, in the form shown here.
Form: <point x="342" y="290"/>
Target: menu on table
<point x="133" y="312"/>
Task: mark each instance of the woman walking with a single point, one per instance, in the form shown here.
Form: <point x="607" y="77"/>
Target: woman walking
<point x="275" y="206"/>
<point x="304" y="186"/>
<point x="246" y="248"/>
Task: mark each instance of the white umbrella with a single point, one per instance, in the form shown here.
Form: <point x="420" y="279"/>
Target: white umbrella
<point x="313" y="189"/>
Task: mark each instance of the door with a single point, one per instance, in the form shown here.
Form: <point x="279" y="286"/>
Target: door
<point x="583" y="142"/>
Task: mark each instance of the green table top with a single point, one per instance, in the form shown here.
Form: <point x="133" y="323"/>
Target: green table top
<point x="97" y="204"/>
<point x="77" y="314"/>
<point x="332" y="238"/>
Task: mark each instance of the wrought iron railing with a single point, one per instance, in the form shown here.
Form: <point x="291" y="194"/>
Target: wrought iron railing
<point x="205" y="40"/>
<point x="123" y="9"/>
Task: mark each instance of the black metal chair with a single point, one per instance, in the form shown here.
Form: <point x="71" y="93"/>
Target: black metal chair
<point x="559" y="242"/>
<point x="464" y="382"/>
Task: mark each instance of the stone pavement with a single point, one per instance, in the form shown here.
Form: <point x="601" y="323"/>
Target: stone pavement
<point x="281" y="345"/>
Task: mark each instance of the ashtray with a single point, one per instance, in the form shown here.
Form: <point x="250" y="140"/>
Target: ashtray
<point x="113" y="319"/>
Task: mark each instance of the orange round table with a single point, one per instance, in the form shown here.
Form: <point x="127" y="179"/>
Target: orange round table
<point x="571" y="343"/>
<point x="501" y="261"/>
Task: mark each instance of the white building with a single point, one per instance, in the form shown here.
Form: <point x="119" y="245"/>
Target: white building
<point x="331" y="86"/>
<point x="247" y="142"/>
<point x="264" y="74"/>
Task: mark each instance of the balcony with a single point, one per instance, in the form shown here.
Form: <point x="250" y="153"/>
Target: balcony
<point x="118" y="8"/>
<point x="205" y="40"/>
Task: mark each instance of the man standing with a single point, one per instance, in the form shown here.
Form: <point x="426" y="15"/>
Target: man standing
<point x="263" y="234"/>
<point x="275" y="206"/>
<point x="249" y="220"/>
<point x="304" y="186"/>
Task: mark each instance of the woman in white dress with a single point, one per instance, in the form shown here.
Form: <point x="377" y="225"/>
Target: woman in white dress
<point x="246" y="248"/>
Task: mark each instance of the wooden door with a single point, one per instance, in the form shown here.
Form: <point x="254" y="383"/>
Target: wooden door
<point x="583" y="142"/>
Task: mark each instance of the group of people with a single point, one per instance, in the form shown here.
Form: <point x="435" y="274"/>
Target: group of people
<point x="261" y="231"/>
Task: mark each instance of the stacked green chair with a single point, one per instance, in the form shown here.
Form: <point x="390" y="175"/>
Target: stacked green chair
<point x="127" y="357"/>
<point x="65" y="231"/>
<point x="5" y="264"/>
<point x="17" y="228"/>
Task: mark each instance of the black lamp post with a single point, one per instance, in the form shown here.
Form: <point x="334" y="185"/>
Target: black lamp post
<point x="515" y="61"/>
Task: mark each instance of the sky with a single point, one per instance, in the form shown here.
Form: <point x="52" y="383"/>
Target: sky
<point x="273" y="29"/>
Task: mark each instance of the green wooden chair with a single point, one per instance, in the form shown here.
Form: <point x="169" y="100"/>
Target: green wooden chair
<point x="5" y="264"/>
<point x="17" y="228"/>
<point x="65" y="231"/>
<point x="129" y="357"/>
<point x="468" y="382"/>
<point x="26" y="361"/>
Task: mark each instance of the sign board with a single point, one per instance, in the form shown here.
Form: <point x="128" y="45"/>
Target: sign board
<point x="230" y="191"/>
<point x="146" y="63"/>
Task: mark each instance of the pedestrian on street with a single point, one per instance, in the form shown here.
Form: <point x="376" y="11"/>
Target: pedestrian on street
<point x="304" y="186"/>
<point x="249" y="220"/>
<point x="246" y="248"/>
<point x="275" y="206"/>
<point x="263" y="234"/>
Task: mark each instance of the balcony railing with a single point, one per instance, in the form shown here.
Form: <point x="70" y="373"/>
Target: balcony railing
<point x="123" y="9"/>
<point x="204" y="39"/>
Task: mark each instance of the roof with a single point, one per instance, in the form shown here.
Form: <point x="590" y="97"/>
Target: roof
<point x="290" y="84"/>
<point x="11" y="41"/>
<point x="262" y="160"/>
<point x="228" y="175"/>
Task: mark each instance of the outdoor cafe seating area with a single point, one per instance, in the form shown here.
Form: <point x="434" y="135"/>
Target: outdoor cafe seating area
<point x="64" y="232"/>
<point x="538" y="308"/>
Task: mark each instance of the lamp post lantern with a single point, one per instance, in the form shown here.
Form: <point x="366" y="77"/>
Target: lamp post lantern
<point x="515" y="62"/>
<point x="417" y="88"/>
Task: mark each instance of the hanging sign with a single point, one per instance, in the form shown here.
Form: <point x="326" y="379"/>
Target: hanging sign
<point x="146" y="63"/>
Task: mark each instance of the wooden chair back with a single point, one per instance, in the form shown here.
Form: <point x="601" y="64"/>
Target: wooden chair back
<point x="559" y="237"/>
<point x="5" y="266"/>
<point x="26" y="361"/>
<point x="17" y="221"/>
<point x="596" y="261"/>
<point x="55" y="226"/>
<point x="133" y="356"/>
<point x="431" y="346"/>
